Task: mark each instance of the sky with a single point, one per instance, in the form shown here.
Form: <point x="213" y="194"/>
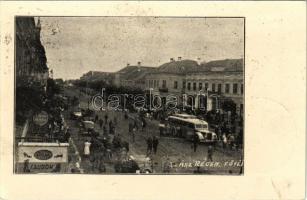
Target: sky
<point x="76" y="45"/>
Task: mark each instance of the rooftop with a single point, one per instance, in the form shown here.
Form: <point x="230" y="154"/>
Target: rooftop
<point x="135" y="72"/>
<point x="228" y="65"/>
<point x="179" y="67"/>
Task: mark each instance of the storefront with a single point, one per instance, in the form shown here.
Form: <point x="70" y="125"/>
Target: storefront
<point x="33" y="157"/>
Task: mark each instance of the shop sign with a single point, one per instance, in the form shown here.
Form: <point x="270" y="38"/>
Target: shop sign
<point x="43" y="154"/>
<point x="41" y="118"/>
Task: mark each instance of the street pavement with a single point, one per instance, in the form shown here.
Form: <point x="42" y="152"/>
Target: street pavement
<point x="176" y="151"/>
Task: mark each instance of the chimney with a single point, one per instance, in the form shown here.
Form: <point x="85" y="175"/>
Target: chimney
<point x="128" y="64"/>
<point x="198" y="60"/>
<point x="139" y="64"/>
<point x="179" y="58"/>
<point x="171" y="59"/>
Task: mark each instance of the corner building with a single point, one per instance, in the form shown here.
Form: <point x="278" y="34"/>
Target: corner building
<point x="217" y="81"/>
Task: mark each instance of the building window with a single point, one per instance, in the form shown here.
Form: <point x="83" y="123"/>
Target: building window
<point x="150" y="83"/>
<point x="164" y="84"/>
<point x="194" y="86"/>
<point x="155" y="83"/>
<point x="183" y="84"/>
<point x="206" y="86"/>
<point x="213" y="87"/>
<point x="175" y="84"/>
<point x="242" y="88"/>
<point x="235" y="88"/>
<point x="189" y="86"/>
<point x="219" y="88"/>
<point x="158" y="83"/>
<point x="227" y="88"/>
<point x="200" y="86"/>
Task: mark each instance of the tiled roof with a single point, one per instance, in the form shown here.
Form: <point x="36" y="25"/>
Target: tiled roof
<point x="135" y="72"/>
<point x="179" y="67"/>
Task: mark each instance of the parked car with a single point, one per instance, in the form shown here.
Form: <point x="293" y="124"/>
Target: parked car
<point x="135" y="164"/>
<point x="88" y="125"/>
<point x="76" y="115"/>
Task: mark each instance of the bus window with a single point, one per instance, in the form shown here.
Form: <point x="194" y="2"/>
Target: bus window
<point x="190" y="125"/>
<point x="201" y="126"/>
<point x="209" y="136"/>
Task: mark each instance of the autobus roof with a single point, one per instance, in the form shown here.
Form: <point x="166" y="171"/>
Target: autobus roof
<point x="193" y="121"/>
<point x="185" y="116"/>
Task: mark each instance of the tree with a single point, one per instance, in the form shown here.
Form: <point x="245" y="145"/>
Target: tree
<point x="59" y="81"/>
<point x="28" y="98"/>
<point x="228" y="105"/>
<point x="53" y="88"/>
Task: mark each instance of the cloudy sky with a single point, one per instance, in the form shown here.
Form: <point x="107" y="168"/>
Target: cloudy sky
<point x="76" y="45"/>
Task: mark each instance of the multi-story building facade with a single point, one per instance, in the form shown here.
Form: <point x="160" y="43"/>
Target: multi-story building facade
<point x="30" y="53"/>
<point x="191" y="82"/>
<point x="169" y="78"/>
<point x="223" y="79"/>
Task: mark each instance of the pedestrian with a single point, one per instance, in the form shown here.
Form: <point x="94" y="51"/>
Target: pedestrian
<point x="115" y="120"/>
<point x="155" y="143"/>
<point x="167" y="165"/>
<point x="133" y="134"/>
<point x="104" y="130"/>
<point x="110" y="125"/>
<point x="100" y="123"/>
<point x="96" y="118"/>
<point x="231" y="140"/>
<point x="149" y="145"/>
<point x="106" y="118"/>
<point x="112" y="130"/>
<point x="87" y="145"/>
<point x="136" y="125"/>
<point x="224" y="141"/>
<point x="67" y="135"/>
<point x="126" y="145"/>
<point x="130" y="127"/>
<point x="101" y="167"/>
<point x="195" y="142"/>
<point x="210" y="153"/>
<point x="26" y="166"/>
<point x="143" y="124"/>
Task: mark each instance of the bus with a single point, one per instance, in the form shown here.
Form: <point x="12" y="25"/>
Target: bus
<point x="186" y="126"/>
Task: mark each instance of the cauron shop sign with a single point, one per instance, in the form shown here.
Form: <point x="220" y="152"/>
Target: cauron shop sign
<point x="43" y="155"/>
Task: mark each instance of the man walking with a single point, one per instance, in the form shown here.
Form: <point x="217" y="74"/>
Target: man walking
<point x="224" y="138"/>
<point x="86" y="151"/>
<point x="195" y="142"/>
<point x="143" y="124"/>
<point x="104" y="130"/>
<point x="67" y="135"/>
<point x="149" y="145"/>
<point x="210" y="153"/>
<point x="133" y="134"/>
<point x="100" y="123"/>
<point x="136" y="125"/>
<point x="106" y="118"/>
<point x="115" y="121"/>
<point x="155" y="143"/>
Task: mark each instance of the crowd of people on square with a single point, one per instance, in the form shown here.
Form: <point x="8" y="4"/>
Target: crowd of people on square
<point x="228" y="126"/>
<point x="106" y="144"/>
<point x="109" y="145"/>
